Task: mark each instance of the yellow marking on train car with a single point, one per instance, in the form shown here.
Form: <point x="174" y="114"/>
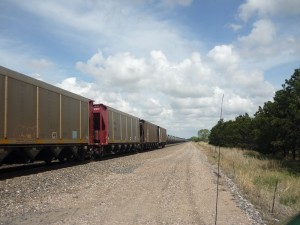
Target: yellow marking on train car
<point x="38" y="141"/>
<point x="5" y="141"/>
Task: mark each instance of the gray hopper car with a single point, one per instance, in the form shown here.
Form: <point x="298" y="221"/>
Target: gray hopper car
<point x="152" y="135"/>
<point x="35" y="116"/>
<point x="162" y="136"/>
<point x="123" y="128"/>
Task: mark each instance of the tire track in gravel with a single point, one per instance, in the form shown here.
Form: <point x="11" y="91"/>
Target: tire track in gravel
<point x="190" y="194"/>
<point x="160" y="185"/>
<point x="178" y="187"/>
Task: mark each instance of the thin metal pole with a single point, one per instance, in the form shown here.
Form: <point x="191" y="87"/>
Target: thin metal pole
<point x="274" y="196"/>
<point x="217" y="198"/>
<point x="218" y="175"/>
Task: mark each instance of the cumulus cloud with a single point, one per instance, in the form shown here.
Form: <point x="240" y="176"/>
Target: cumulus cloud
<point x="77" y="86"/>
<point x="224" y="56"/>
<point x="274" y="37"/>
<point x="120" y="72"/>
<point x="262" y="34"/>
<point x="173" y="94"/>
<point x="268" y="8"/>
<point x="267" y="45"/>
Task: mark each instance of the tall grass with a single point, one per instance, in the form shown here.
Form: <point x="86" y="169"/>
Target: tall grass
<point x="256" y="176"/>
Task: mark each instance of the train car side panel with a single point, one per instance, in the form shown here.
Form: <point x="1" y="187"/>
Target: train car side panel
<point x="162" y="136"/>
<point x="49" y="112"/>
<point x="123" y="128"/>
<point x="135" y="130"/>
<point x="84" y="122"/>
<point x="70" y="110"/>
<point x="39" y="113"/>
<point x="2" y="103"/>
<point x="129" y="128"/>
<point x="149" y="134"/>
<point x="21" y="111"/>
<point x="111" y="136"/>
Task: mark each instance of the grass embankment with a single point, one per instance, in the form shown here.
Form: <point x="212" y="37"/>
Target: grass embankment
<point x="256" y="176"/>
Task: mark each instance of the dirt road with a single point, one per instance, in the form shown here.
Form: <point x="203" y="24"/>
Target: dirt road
<point x="175" y="185"/>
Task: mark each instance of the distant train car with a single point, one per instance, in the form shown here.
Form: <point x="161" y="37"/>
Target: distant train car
<point x="152" y="136"/>
<point x="40" y="121"/>
<point x="162" y="137"/>
<point x="149" y="135"/>
<point x="173" y="140"/>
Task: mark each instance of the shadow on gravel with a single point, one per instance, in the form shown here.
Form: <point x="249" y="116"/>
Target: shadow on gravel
<point x="12" y="171"/>
<point x="35" y="168"/>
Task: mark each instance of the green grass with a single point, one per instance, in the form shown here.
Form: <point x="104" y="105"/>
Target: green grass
<point x="256" y="176"/>
<point x="289" y="200"/>
<point x="267" y="181"/>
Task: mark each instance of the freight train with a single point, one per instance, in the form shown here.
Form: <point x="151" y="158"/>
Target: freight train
<point x="39" y="121"/>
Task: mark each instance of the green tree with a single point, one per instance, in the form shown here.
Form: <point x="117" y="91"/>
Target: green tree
<point x="194" y="138"/>
<point x="216" y="135"/>
<point x="244" y="129"/>
<point x="203" y="135"/>
<point x="264" y="129"/>
<point x="287" y="117"/>
<point x="234" y="133"/>
<point x="275" y="127"/>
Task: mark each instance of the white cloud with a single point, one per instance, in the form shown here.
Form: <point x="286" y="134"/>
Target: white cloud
<point x="234" y="103"/>
<point x="224" y="55"/>
<point x="178" y="2"/>
<point x="121" y="72"/>
<point x="262" y="34"/>
<point x="173" y="94"/>
<point x="274" y="38"/>
<point x="41" y="64"/>
<point x="267" y="8"/>
<point x="76" y="86"/>
<point x="234" y="26"/>
<point x="267" y="45"/>
<point x="114" y="26"/>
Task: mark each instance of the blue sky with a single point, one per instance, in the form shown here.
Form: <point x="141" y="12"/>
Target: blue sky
<point x="167" y="61"/>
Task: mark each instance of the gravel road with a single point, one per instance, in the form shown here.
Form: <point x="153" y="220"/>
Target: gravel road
<point x="174" y="185"/>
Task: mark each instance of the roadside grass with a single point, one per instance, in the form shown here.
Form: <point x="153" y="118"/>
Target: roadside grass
<point x="257" y="176"/>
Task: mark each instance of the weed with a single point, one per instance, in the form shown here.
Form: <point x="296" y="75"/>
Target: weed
<point x="256" y="176"/>
<point x="289" y="200"/>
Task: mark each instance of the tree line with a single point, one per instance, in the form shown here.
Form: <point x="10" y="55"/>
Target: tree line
<point x="274" y="129"/>
<point x="203" y="135"/>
